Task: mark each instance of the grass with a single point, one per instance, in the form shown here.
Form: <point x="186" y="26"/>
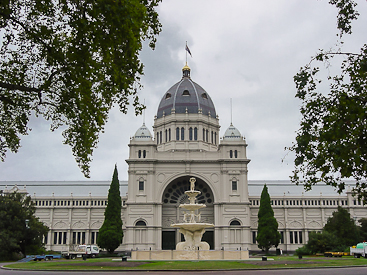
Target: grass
<point x="279" y="262"/>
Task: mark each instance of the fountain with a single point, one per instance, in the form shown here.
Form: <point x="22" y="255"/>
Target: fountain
<point x="192" y="228"/>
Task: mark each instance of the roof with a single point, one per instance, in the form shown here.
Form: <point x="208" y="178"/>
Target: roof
<point x="186" y="96"/>
<point x="64" y="188"/>
<point x="100" y="188"/>
<point x="288" y="189"/>
<point x="143" y="134"/>
<point x="232" y="133"/>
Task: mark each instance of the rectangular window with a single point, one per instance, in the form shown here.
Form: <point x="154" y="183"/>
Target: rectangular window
<point x="92" y="238"/>
<point x="64" y="239"/>
<point x="55" y="237"/>
<point x="234" y="185"/>
<point x="290" y="237"/>
<point x="141" y="185"/>
<point x="60" y="237"/>
<point x="83" y="237"/>
<point x="74" y="237"/>
<point x="281" y="236"/>
<point x="254" y="237"/>
<point x="300" y="237"/>
<point x="79" y="239"/>
<point x="45" y="238"/>
<point x="295" y="237"/>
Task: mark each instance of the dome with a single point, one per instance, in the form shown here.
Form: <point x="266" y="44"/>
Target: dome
<point x="143" y="134"/>
<point x="186" y="96"/>
<point x="232" y="133"/>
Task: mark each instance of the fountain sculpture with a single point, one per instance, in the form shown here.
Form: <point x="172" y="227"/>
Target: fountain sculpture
<point x="192" y="228"/>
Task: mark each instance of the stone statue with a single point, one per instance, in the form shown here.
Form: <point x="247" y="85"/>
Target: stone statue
<point x="192" y="185"/>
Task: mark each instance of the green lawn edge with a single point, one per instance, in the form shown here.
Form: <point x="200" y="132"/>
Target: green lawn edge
<point x="277" y="263"/>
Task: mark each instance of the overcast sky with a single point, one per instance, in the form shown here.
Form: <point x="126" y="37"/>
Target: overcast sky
<point x="245" y="50"/>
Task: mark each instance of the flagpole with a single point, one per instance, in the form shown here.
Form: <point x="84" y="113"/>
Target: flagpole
<point x="186" y="52"/>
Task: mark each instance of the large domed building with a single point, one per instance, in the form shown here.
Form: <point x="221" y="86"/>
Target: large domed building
<point x="186" y="144"/>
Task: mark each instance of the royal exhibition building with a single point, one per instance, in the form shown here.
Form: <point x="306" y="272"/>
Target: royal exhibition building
<point x="185" y="143"/>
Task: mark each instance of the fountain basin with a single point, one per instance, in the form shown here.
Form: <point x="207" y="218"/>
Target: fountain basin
<point x="192" y="227"/>
<point x="192" y="207"/>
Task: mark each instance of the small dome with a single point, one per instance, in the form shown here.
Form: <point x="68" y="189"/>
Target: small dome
<point x="143" y="134"/>
<point x="232" y="133"/>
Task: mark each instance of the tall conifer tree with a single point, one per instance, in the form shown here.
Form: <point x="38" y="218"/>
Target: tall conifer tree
<point x="110" y="234"/>
<point x="267" y="230"/>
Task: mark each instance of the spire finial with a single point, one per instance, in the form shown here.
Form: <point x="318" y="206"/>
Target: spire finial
<point x="231" y="110"/>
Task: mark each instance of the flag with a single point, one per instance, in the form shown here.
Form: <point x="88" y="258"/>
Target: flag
<point x="188" y="50"/>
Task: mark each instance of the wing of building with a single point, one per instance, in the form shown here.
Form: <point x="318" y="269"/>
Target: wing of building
<point x="185" y="144"/>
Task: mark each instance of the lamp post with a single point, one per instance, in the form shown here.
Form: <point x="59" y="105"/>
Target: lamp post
<point x="25" y="236"/>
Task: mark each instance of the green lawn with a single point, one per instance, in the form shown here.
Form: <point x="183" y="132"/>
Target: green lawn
<point x="108" y="264"/>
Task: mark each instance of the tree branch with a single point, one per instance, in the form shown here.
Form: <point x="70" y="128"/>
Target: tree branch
<point x="14" y="87"/>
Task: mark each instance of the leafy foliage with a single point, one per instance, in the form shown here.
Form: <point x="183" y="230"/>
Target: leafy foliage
<point x="110" y="234"/>
<point x="343" y="227"/>
<point x="267" y="230"/>
<point x="363" y="229"/>
<point x="320" y="242"/>
<point x="339" y="233"/>
<point x="15" y="236"/>
<point x="70" y="62"/>
<point x="331" y="142"/>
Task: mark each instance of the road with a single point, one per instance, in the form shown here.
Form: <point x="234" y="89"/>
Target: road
<point x="319" y="271"/>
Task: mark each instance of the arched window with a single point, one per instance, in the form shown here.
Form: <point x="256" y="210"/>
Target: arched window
<point x="204" y="95"/>
<point x="195" y="133"/>
<point x="235" y="223"/>
<point x="186" y="93"/>
<point x="235" y="153"/>
<point x="177" y="133"/>
<point x="139" y="154"/>
<point x="140" y="223"/>
<point x="144" y="153"/>
<point x="182" y="133"/>
<point x="230" y="153"/>
<point x="190" y="133"/>
<point x="168" y="95"/>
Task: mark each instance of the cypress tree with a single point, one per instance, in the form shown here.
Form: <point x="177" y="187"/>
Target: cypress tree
<point x="110" y="234"/>
<point x="267" y="230"/>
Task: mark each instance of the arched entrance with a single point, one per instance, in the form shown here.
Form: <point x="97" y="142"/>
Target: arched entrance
<point x="173" y="196"/>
